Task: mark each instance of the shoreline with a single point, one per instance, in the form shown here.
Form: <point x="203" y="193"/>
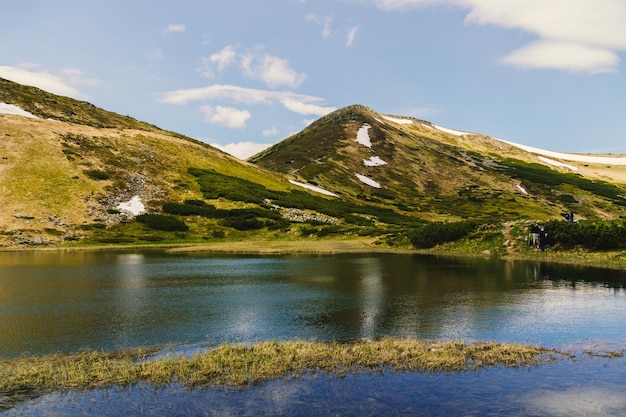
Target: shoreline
<point x="332" y="247"/>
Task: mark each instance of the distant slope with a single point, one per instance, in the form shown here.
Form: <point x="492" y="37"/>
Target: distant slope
<point x="439" y="173"/>
<point x="74" y="166"/>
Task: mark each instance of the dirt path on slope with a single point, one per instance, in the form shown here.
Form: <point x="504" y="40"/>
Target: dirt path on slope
<point x="509" y="240"/>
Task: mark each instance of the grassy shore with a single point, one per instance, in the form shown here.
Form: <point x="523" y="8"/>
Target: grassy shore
<point x="238" y="365"/>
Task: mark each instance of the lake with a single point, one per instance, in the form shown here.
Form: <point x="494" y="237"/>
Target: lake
<point x="62" y="302"/>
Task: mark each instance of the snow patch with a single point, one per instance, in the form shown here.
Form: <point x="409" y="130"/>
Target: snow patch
<point x="368" y="181"/>
<point x="313" y="188"/>
<point x="609" y="160"/>
<point x="133" y="206"/>
<point x="451" y="131"/>
<point x="379" y="121"/>
<point x="399" y="121"/>
<point x="15" y="110"/>
<point x="557" y="163"/>
<point x="374" y="161"/>
<point x="428" y="126"/>
<point x="522" y="189"/>
<point x="363" y="137"/>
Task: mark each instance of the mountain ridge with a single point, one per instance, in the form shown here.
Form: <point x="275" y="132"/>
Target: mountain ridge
<point x="76" y="173"/>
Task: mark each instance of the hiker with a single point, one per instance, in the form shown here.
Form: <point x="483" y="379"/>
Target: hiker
<point x="543" y="237"/>
<point x="534" y="234"/>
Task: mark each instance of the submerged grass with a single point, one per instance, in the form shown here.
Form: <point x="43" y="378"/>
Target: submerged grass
<point x="239" y="365"/>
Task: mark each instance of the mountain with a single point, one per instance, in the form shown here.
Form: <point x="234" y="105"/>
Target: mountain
<point x="443" y="174"/>
<point x="71" y="173"/>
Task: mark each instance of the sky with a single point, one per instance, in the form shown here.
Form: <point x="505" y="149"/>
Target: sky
<point x="243" y="75"/>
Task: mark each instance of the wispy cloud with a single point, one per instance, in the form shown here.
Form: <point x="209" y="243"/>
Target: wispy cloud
<point x="324" y="21"/>
<point x="218" y="61"/>
<point x="270" y="132"/>
<point x="298" y="103"/>
<point x="254" y="64"/>
<point x="63" y="84"/>
<point x="351" y="35"/>
<point x="573" y="35"/>
<point x="242" y="150"/>
<point x="226" y="116"/>
<point x="176" y="28"/>
<point x="272" y="70"/>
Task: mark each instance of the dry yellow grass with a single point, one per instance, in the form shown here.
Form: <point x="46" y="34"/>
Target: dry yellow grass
<point x="239" y="365"/>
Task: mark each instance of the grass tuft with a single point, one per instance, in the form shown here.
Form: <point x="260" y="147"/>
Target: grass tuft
<point x="239" y="365"/>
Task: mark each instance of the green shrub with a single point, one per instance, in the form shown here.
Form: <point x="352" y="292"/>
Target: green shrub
<point x="96" y="174"/>
<point x="162" y="222"/>
<point x="432" y="234"/>
<point x="243" y="223"/>
<point x="589" y="234"/>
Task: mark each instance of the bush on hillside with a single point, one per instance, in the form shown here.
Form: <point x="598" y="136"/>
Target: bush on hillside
<point x="96" y="174"/>
<point x="432" y="234"/>
<point x="589" y="234"/>
<point x="162" y="222"/>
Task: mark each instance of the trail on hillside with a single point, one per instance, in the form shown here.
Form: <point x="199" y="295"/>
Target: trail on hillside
<point x="509" y="246"/>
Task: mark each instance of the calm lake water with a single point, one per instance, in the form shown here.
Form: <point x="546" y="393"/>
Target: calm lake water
<point x="67" y="302"/>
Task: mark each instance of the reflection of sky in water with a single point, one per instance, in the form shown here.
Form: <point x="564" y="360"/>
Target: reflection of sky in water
<point x="587" y="388"/>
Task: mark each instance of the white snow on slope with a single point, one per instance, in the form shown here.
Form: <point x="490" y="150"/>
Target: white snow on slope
<point x="522" y="189"/>
<point x="12" y="109"/>
<point x="398" y="120"/>
<point x="313" y="188"/>
<point x="374" y="161"/>
<point x="557" y="163"/>
<point x="451" y="131"/>
<point x="379" y="121"/>
<point x="570" y="156"/>
<point x="368" y="181"/>
<point x="363" y="137"/>
<point x="133" y="206"/>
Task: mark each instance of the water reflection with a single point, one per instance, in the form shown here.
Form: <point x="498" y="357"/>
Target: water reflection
<point x="590" y="388"/>
<point x="63" y="302"/>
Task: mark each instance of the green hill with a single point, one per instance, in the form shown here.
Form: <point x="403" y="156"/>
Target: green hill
<point x="438" y="174"/>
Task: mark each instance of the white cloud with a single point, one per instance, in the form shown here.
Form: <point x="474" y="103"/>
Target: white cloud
<point x="351" y="35"/>
<point x="222" y="60"/>
<point x="406" y="4"/>
<point x="61" y="85"/>
<point x="573" y="35"/>
<point x="304" y="108"/>
<point x="273" y="71"/>
<point x="270" y="132"/>
<point x="326" y="23"/>
<point x="298" y="103"/>
<point x="242" y="150"/>
<point x="226" y="116"/>
<point x="563" y="56"/>
<point x="172" y="28"/>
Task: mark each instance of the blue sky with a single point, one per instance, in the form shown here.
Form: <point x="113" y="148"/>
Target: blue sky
<point x="246" y="74"/>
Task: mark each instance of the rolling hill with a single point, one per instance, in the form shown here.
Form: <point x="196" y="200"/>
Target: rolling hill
<point x="71" y="173"/>
<point x="444" y="174"/>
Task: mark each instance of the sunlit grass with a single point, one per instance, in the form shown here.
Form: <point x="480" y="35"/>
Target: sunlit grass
<point x="241" y="365"/>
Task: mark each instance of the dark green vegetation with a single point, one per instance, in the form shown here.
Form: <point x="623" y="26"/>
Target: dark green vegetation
<point x="589" y="234"/>
<point x="432" y="234"/>
<point x="236" y="365"/>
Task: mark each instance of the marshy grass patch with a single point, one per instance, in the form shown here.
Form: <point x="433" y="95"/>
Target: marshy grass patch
<point x="238" y="366"/>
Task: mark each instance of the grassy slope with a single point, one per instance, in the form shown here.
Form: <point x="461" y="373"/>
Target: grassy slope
<point x="48" y="172"/>
<point x="439" y="176"/>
